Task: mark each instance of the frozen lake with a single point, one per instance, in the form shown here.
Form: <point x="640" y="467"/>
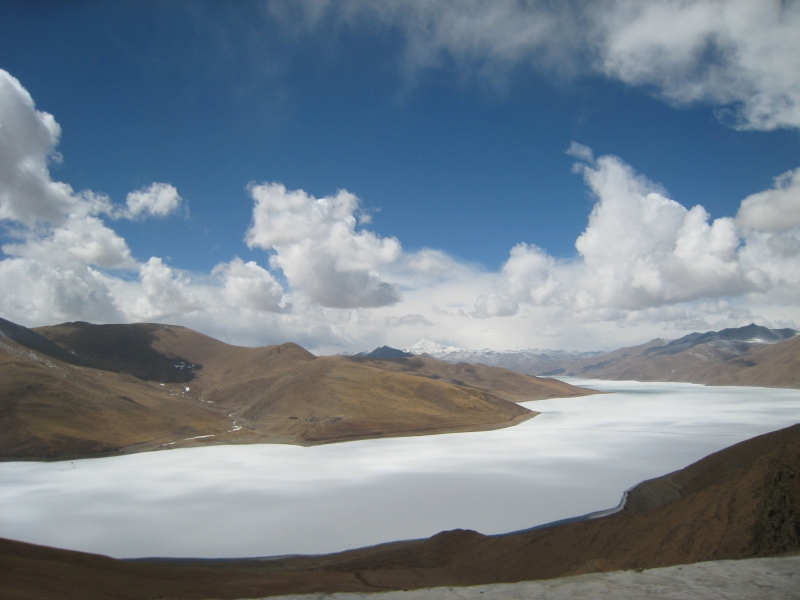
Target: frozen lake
<point x="578" y="456"/>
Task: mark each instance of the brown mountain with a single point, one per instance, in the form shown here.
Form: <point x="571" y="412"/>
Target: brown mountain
<point x="741" y="502"/>
<point x="501" y="382"/>
<point x="78" y="389"/>
<point x="752" y="355"/>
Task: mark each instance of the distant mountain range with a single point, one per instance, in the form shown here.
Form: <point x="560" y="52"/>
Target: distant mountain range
<point x="750" y="355"/>
<point x="79" y="389"/>
<point x="529" y="362"/>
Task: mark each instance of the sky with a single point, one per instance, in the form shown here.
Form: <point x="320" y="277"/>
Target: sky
<point x="344" y="175"/>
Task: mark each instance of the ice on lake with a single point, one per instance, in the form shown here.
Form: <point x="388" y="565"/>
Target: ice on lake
<point x="577" y="457"/>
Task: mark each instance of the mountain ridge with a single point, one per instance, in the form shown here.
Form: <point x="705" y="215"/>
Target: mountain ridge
<point x="132" y="388"/>
<point x="750" y="355"/>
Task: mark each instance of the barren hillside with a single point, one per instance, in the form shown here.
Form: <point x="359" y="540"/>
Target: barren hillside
<point x="79" y="389"/>
<point x="743" y="356"/>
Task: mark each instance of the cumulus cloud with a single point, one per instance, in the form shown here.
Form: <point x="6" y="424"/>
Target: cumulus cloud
<point x="57" y="237"/>
<point x="246" y="284"/>
<point x="642" y="251"/>
<point x="317" y="246"/>
<point x="28" y="139"/>
<point x="37" y="292"/>
<point x="159" y="200"/>
<point x="84" y="240"/>
<point x="529" y="275"/>
<point x="738" y="54"/>
<point x="776" y="209"/>
<point x="48" y="220"/>
<point x="165" y="293"/>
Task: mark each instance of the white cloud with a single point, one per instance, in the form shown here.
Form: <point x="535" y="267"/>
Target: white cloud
<point x="776" y="209"/>
<point x="734" y="52"/>
<point x="245" y="284"/>
<point x="580" y="152"/>
<point x="317" y="247"/>
<point x="494" y="305"/>
<point x="28" y="138"/>
<point x="528" y="275"/>
<point x="647" y="266"/>
<point x="164" y="292"/>
<point x="409" y="321"/>
<point x="81" y="240"/>
<point x="431" y="263"/>
<point x="740" y="54"/>
<point x="159" y="200"/>
<point x="642" y="251"/>
<point x="52" y="222"/>
<point x="36" y="292"/>
<point x="59" y="235"/>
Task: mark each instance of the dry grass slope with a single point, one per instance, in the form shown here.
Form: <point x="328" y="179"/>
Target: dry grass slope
<point x="763" y="365"/>
<point x="128" y="388"/>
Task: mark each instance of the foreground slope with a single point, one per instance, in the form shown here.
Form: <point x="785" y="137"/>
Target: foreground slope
<point x="78" y="389"/>
<point x="752" y="355"/>
<point x="53" y="409"/>
<point x="741" y="502"/>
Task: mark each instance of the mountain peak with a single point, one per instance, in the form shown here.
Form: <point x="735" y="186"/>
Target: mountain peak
<point x="385" y="352"/>
<point x="433" y="348"/>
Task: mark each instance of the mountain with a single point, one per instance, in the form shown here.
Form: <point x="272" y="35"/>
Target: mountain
<point x="528" y="362"/>
<point x="385" y="352"/>
<point x="741" y="502"/>
<point x="38" y="343"/>
<point x="750" y="355"/>
<point x="504" y="383"/>
<point x="736" y="341"/>
<point x="78" y="389"/>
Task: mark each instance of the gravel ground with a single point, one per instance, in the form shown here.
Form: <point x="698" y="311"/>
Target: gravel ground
<point x="751" y="579"/>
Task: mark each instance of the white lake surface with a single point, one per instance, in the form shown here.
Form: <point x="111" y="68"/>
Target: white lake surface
<point x="577" y="457"/>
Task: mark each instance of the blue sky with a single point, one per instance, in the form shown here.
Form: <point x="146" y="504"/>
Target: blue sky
<point x="448" y="126"/>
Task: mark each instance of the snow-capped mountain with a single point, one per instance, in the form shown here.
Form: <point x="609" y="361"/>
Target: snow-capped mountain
<point x="529" y="362"/>
<point x="432" y="348"/>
